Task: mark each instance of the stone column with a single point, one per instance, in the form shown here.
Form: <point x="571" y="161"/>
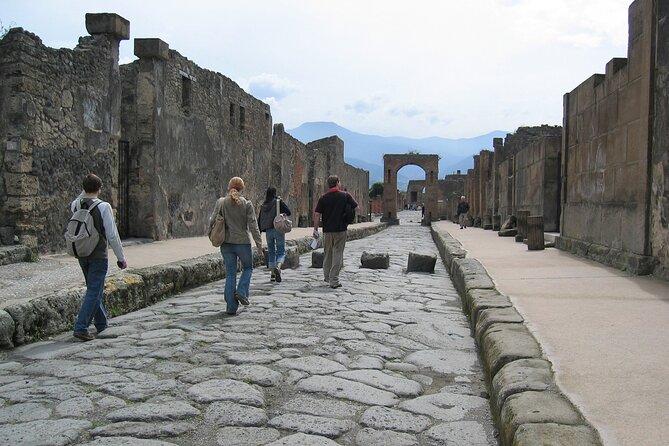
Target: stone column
<point x="522" y="225"/>
<point x="535" y="232"/>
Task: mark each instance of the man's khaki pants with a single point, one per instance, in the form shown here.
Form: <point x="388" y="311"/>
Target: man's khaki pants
<point x="333" y="258"/>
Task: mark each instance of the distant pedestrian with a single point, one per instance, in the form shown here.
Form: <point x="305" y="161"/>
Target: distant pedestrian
<point x="240" y="218"/>
<point x="422" y="210"/>
<point x="276" y="241"/>
<point x="334" y="207"/>
<point x="95" y="265"/>
<point x="463" y="208"/>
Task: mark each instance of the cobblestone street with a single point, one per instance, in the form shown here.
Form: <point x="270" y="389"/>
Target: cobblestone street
<point x="387" y="359"/>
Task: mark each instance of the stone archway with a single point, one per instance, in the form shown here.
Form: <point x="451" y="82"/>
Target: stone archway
<point x="391" y="165"/>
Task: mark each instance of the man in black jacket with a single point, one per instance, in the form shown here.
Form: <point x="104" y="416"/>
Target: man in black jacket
<point x="332" y="206"/>
<point x="463" y="208"/>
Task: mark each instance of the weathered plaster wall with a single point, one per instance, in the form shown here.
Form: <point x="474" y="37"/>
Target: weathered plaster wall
<point x="59" y="120"/>
<point x="290" y="174"/>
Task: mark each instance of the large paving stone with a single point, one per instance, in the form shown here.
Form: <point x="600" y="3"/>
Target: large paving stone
<point x="126" y="441"/>
<point x="140" y="429"/>
<point x="444" y="406"/>
<point x="372" y="437"/>
<point x="444" y="361"/>
<point x="536" y="407"/>
<point x="43" y="432"/>
<point x="313" y="365"/>
<point x="520" y="376"/>
<point x="233" y="414"/>
<point x="168" y="411"/>
<point x="139" y="391"/>
<point x="468" y="433"/>
<point x="503" y="343"/>
<point x="350" y="390"/>
<point x="22" y="412"/>
<point x="252" y="357"/>
<point x="80" y="407"/>
<point x="402" y="387"/>
<point x="491" y="316"/>
<point x="246" y="436"/>
<point x="321" y="406"/>
<point x="310" y="424"/>
<point x="227" y="390"/>
<point x="555" y="435"/>
<point x="301" y="439"/>
<point x="392" y="419"/>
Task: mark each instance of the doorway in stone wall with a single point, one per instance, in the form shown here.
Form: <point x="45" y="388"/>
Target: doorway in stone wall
<point x="123" y="183"/>
<point x="391" y="165"/>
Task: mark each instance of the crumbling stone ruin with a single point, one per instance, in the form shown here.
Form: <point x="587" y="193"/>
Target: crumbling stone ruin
<point x="601" y="180"/>
<point x="164" y="134"/>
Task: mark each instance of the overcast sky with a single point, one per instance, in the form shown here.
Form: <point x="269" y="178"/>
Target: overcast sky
<point x="417" y="68"/>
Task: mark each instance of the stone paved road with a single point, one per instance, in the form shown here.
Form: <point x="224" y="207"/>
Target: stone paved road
<point x="385" y="360"/>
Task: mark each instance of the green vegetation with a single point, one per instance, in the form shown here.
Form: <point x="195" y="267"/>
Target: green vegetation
<point x="376" y="190"/>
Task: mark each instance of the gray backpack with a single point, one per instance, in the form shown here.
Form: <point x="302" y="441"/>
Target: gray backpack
<point x="81" y="235"/>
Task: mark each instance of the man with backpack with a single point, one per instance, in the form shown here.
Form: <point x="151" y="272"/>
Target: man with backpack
<point x="337" y="208"/>
<point x="88" y="232"/>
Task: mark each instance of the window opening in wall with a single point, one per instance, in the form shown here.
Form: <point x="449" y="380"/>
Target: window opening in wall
<point x="232" y="114"/>
<point x="242" y="117"/>
<point x="186" y="93"/>
<point x="266" y="116"/>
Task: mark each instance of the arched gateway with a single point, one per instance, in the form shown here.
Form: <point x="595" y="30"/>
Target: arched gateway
<point x="391" y="165"/>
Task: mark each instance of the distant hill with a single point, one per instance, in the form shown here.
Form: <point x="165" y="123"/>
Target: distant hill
<point x="366" y="151"/>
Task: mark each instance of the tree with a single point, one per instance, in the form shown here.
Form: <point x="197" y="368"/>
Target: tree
<point x="376" y="190"/>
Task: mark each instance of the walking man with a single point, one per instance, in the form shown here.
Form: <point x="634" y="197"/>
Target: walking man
<point x="95" y="265"/>
<point x="335" y="207"/>
<point x="463" y="208"/>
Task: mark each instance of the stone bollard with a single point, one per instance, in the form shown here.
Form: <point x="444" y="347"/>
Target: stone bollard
<point x="317" y="259"/>
<point x="374" y="261"/>
<point x="421" y="263"/>
<point x="535" y="232"/>
<point x="521" y="220"/>
<point x="496" y="222"/>
<point x="292" y="259"/>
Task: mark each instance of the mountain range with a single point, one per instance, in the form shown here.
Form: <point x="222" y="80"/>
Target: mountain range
<point x="366" y="151"/>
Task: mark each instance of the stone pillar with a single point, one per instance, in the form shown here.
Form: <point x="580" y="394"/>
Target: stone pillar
<point x="535" y="232"/>
<point x="522" y="225"/>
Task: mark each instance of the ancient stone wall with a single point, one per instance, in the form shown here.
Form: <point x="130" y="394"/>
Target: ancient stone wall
<point x="195" y="130"/>
<point x="605" y="153"/>
<point x="59" y="120"/>
<point x="659" y="199"/>
<point x="290" y="175"/>
<point x="415" y="191"/>
<point x="451" y="188"/>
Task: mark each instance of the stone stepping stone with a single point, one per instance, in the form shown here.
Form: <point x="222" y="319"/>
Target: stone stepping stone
<point x="444" y="406"/>
<point x="318" y="406"/>
<point x="374" y="260"/>
<point x="421" y="263"/>
<point x="22" y="412"/>
<point x="43" y="432"/>
<point x="131" y="429"/>
<point x="313" y="365"/>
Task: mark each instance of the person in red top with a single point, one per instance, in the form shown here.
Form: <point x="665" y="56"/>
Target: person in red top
<point x="333" y="207"/>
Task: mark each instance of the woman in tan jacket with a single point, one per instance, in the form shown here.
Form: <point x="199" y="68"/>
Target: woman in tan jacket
<point x="240" y="218"/>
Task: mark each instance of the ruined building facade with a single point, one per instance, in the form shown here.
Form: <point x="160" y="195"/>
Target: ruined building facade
<point x="164" y="134"/>
<point x="602" y="179"/>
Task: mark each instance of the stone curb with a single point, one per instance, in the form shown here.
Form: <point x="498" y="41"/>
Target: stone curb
<point x="32" y="320"/>
<point x="527" y="406"/>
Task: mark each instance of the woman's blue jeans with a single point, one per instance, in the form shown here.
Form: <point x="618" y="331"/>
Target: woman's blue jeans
<point x="231" y="252"/>
<point x="92" y="308"/>
<point x="276" y="247"/>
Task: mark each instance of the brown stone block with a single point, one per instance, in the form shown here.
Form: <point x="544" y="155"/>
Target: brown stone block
<point x="611" y="233"/>
<point x="633" y="219"/>
<point x="106" y="23"/>
<point x="639" y="59"/>
<point x="21" y="184"/>
<point x="629" y="102"/>
<point x="19" y="145"/>
<point x="20" y="205"/>
<point x="636" y="142"/>
<point x="608" y="116"/>
<point x="152" y="48"/>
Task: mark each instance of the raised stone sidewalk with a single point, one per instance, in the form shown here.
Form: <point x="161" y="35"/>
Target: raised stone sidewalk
<point x="528" y="407"/>
<point x="24" y="320"/>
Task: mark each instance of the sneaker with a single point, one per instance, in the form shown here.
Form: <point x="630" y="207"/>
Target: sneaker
<point x="242" y="299"/>
<point x="83" y="335"/>
<point x="277" y="274"/>
<point x="272" y="277"/>
<point x="336" y="286"/>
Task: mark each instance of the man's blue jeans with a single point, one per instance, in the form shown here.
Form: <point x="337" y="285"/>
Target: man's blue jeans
<point x="92" y="308"/>
<point x="276" y="247"/>
<point x="231" y="252"/>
